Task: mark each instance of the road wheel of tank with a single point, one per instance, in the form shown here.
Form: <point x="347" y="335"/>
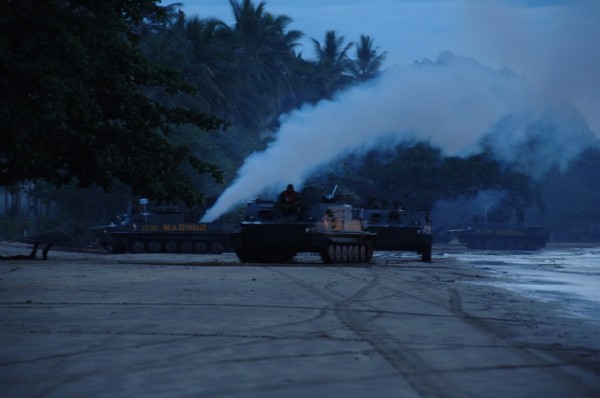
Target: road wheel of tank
<point x="216" y="247"/>
<point x="362" y="254"/>
<point x="200" y="247"/>
<point x="154" y="246"/>
<point x="328" y="254"/>
<point x="186" y="247"/>
<point x="344" y="253"/>
<point x="171" y="246"/>
<point x="138" y="247"/>
<point x="351" y="254"/>
<point x="338" y="254"/>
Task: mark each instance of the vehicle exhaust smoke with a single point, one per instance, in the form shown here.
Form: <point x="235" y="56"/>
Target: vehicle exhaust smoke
<point x="454" y="103"/>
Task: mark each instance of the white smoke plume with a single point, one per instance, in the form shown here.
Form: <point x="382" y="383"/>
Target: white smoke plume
<point x="452" y="103"/>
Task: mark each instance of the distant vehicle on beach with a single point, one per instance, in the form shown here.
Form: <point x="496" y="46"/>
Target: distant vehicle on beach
<point x="502" y="236"/>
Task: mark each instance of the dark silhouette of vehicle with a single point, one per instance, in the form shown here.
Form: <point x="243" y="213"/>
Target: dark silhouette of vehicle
<point x="318" y="224"/>
<point x="494" y="231"/>
<point x="163" y="231"/>
<point x="492" y="236"/>
<point x="401" y="230"/>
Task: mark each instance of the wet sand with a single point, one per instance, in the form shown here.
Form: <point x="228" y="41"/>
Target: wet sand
<point x="96" y="324"/>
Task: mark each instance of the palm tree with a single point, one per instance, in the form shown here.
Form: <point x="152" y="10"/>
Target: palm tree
<point x="368" y="62"/>
<point x="333" y="64"/>
<point x="163" y="44"/>
<point x="210" y="60"/>
<point x="263" y="49"/>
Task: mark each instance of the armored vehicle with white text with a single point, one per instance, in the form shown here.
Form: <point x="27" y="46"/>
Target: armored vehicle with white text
<point x="163" y="231"/>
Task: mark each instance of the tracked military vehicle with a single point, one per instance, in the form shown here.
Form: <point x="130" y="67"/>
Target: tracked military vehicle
<point x="401" y="230"/>
<point x="500" y="236"/>
<point x="165" y="231"/>
<point x="317" y="224"/>
<point x="494" y="231"/>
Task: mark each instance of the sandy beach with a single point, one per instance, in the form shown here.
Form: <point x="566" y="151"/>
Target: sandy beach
<point x="98" y="324"/>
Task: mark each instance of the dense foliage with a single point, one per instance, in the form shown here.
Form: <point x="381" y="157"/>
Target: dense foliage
<point x="74" y="106"/>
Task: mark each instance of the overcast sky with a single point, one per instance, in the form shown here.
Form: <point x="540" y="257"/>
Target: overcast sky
<point x="554" y="43"/>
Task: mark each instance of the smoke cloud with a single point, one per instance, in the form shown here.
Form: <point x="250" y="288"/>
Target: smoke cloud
<point x="454" y="103"/>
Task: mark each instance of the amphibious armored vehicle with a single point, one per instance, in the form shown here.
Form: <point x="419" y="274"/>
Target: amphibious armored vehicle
<point x="499" y="230"/>
<point x="318" y="224"/>
<point x="500" y="236"/>
<point x="163" y="231"/>
<point x="401" y="230"/>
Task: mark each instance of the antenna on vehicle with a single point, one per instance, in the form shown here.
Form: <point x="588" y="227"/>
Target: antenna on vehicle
<point x="331" y="196"/>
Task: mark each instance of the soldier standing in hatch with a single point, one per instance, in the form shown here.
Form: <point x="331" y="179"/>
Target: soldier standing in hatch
<point x="288" y="200"/>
